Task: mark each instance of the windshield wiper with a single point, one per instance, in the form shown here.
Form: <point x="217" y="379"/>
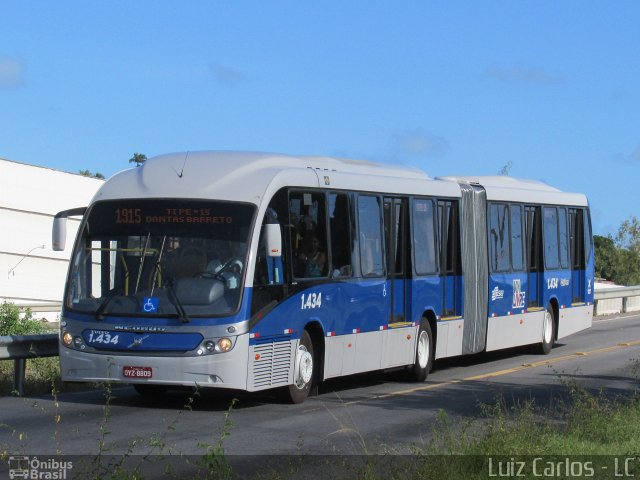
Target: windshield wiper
<point x="157" y="267"/>
<point x="142" y="258"/>
<point x="103" y="306"/>
<point x="173" y="298"/>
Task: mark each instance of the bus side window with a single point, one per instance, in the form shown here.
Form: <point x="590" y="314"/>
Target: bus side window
<point x="424" y="237"/>
<point x="339" y="223"/>
<point x="550" y="233"/>
<point x="563" y="235"/>
<point x="588" y="240"/>
<point x="533" y="230"/>
<point x="516" y="238"/>
<point x="370" y="236"/>
<point x="308" y="234"/>
<point x="499" y="237"/>
<point x="576" y="239"/>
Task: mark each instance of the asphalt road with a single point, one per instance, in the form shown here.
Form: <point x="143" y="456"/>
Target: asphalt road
<point x="372" y="413"/>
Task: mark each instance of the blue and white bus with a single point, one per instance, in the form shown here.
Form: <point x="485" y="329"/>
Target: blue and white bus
<point x="257" y="271"/>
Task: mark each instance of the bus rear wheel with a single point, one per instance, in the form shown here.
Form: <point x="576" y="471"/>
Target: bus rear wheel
<point x="424" y="354"/>
<point x="548" y="331"/>
<point x="303" y="371"/>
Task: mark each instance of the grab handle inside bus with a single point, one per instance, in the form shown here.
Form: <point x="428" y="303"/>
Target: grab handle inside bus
<point x="59" y="232"/>
<point x="274" y="239"/>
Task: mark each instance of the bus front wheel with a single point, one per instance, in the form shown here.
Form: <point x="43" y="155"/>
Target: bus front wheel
<point x="424" y="354"/>
<point x="303" y="371"/>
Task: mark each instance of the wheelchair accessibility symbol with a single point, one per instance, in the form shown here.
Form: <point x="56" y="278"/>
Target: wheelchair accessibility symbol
<point x="150" y="304"/>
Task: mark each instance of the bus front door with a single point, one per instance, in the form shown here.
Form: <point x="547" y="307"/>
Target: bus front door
<point x="395" y="228"/>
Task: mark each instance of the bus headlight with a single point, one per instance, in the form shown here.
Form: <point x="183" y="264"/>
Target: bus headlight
<point x="67" y="339"/>
<point x="224" y="344"/>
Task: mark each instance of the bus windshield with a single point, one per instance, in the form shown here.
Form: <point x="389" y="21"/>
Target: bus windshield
<point x="160" y="257"/>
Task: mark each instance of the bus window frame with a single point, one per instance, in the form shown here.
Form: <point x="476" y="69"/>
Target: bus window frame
<point x="383" y="253"/>
<point x="435" y="240"/>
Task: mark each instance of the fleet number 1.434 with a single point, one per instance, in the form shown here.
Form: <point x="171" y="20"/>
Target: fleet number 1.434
<point x="310" y="300"/>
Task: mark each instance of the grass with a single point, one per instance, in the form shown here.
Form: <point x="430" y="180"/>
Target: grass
<point x="587" y="427"/>
<point x="42" y="375"/>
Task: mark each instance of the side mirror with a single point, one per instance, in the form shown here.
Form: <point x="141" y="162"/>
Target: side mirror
<point x="59" y="232"/>
<point x="273" y="239"/>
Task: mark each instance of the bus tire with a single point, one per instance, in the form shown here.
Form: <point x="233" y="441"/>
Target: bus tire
<point x="424" y="354"/>
<point x="548" y="331"/>
<point x="303" y="371"/>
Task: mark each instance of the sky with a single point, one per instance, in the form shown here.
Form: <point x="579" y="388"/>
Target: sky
<point x="545" y="90"/>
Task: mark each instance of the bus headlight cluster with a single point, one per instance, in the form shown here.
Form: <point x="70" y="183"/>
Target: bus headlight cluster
<point x="70" y="341"/>
<point x="224" y="344"/>
<point x="220" y="345"/>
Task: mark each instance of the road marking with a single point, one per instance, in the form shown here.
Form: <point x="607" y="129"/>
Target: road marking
<point x="484" y="376"/>
<point x="611" y="319"/>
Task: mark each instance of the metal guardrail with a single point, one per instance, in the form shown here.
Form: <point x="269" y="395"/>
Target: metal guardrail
<point x="617" y="292"/>
<point x="20" y="348"/>
<point x="617" y="300"/>
<point x="42" y="307"/>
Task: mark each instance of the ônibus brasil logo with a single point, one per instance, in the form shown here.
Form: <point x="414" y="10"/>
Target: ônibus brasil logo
<point x="21" y="466"/>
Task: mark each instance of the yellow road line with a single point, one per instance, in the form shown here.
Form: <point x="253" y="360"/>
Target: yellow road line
<point x="564" y="358"/>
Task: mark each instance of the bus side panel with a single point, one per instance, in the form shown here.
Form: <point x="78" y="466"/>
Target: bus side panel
<point x="346" y="312"/>
<point x="574" y="319"/>
<point x="514" y="330"/>
<point x="510" y="323"/>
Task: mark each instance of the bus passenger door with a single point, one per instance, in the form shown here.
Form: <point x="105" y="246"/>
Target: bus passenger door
<point x="533" y="231"/>
<point x="395" y="237"/>
<point x="398" y="348"/>
<point x="450" y="267"/>
<point x="576" y="244"/>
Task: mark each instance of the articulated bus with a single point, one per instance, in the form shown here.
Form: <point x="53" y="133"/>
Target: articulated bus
<point x="258" y="271"/>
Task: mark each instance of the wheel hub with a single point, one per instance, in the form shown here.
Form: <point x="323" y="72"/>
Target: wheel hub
<point x="423" y="349"/>
<point x="303" y="367"/>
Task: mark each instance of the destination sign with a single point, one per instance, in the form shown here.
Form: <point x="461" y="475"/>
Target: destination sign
<point x="136" y="216"/>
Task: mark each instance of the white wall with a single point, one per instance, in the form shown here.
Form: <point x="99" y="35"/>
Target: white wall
<point x="30" y="196"/>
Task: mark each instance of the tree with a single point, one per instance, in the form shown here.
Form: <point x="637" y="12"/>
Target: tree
<point x="628" y="242"/>
<point x="618" y="257"/>
<point x="606" y="257"/>
<point x="138" y="159"/>
<point x="88" y="173"/>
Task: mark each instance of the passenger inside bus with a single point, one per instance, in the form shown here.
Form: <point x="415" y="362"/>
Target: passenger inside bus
<point x="313" y="258"/>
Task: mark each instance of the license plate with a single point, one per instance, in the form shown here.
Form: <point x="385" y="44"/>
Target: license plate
<point x="137" y="372"/>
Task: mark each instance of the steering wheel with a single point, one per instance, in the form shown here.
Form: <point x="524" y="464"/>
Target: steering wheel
<point x="228" y="266"/>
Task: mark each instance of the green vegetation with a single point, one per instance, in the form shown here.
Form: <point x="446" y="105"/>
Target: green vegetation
<point x="41" y="373"/>
<point x="581" y="431"/>
<point x="586" y="424"/>
<point x="11" y="322"/>
<point x="138" y="159"/>
<point x="586" y="428"/>
<point x="89" y="173"/>
<point x="618" y="256"/>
